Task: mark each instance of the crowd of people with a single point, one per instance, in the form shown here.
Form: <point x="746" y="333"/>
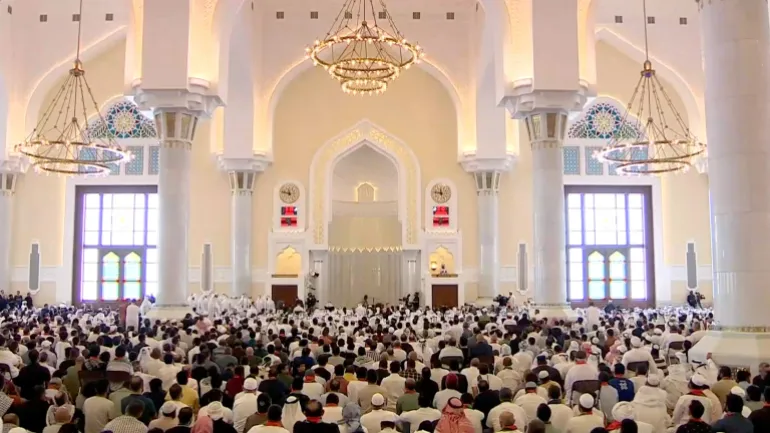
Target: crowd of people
<point x="242" y="366"/>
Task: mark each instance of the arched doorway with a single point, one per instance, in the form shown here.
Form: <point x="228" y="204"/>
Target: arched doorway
<point x="365" y="254"/>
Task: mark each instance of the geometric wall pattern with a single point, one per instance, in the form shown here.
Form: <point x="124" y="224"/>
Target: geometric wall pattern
<point x="580" y="160"/>
<point x="572" y="160"/>
<point x="123" y="120"/>
<point x="603" y="121"/>
<point x="594" y="167"/>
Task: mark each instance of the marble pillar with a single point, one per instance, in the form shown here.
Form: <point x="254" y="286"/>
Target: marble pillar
<point x="487" y="191"/>
<point x="546" y="135"/>
<point x="242" y="189"/>
<point x="736" y="48"/>
<point x="177" y="132"/>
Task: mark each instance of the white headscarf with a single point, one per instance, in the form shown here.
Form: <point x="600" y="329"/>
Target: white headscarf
<point x="292" y="413"/>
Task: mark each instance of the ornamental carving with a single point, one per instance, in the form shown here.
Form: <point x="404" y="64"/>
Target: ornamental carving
<point x="323" y="164"/>
<point x="603" y="121"/>
<point x="123" y="120"/>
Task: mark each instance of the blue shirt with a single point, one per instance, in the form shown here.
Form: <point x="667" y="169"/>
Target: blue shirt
<point x="624" y="387"/>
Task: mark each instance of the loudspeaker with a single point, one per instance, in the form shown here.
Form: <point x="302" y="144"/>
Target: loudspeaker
<point x="692" y="266"/>
<point x="34" y="268"/>
<point x="207" y="269"/>
<point x="523" y="268"/>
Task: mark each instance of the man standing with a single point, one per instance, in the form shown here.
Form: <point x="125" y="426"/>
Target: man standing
<point x="132" y="316"/>
<point x="245" y="404"/>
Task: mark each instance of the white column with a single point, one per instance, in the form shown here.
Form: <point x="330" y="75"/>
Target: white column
<point x="736" y="46"/>
<point x="546" y="135"/>
<point x="242" y="187"/>
<point x="487" y="189"/>
<point x="7" y="188"/>
<point x="177" y="131"/>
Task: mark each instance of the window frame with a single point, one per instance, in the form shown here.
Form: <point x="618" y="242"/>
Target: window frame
<point x="78" y="246"/>
<point x="649" y="244"/>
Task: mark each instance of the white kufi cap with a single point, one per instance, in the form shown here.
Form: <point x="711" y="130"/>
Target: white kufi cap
<point x="586" y="401"/>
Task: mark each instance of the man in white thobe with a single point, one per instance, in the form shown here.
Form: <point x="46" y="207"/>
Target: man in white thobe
<point x="132" y="315"/>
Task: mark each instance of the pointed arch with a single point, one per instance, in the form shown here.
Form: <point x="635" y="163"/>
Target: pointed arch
<point x="365" y="133"/>
<point x="273" y="95"/>
<point x="694" y="103"/>
<point x="46" y="82"/>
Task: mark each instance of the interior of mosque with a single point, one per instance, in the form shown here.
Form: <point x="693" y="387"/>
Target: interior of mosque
<point x="381" y="195"/>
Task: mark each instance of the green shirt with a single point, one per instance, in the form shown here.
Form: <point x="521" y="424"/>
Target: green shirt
<point x="407" y="402"/>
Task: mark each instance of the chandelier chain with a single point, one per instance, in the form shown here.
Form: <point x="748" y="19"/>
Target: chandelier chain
<point x="659" y="146"/>
<point x="80" y="29"/>
<point x="646" y="44"/>
<point x="61" y="142"/>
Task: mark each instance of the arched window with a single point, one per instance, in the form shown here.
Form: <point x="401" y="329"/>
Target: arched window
<point x="116" y="237"/>
<point x="609" y="245"/>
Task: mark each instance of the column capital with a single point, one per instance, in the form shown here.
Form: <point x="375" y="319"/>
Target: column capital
<point x="196" y="99"/>
<point x="523" y="99"/>
<point x="243" y="172"/>
<point x="255" y="163"/>
<point x="14" y="164"/>
<point x="473" y="164"/>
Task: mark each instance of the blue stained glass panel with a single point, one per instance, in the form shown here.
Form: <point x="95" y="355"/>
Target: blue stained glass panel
<point x="123" y="120"/>
<point x="603" y="121"/>
<point x="593" y="166"/>
<point x="154" y="168"/>
<point x="136" y="166"/>
<point x="571" y="160"/>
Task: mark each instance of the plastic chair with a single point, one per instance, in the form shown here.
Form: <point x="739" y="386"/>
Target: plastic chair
<point x="636" y="366"/>
<point x="87" y="376"/>
<point x="592" y="387"/>
<point x="447" y="360"/>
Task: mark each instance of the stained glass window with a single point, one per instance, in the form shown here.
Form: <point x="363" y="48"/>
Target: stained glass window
<point x="609" y="244"/>
<point x="571" y="160"/>
<point x="603" y="121"/>
<point x="117" y="235"/>
<point x="123" y="120"/>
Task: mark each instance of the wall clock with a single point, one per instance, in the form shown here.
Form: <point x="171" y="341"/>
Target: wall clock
<point x="289" y="193"/>
<point x="441" y="193"/>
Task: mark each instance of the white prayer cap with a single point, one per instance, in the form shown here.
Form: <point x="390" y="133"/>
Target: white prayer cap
<point x="740" y="392"/>
<point x="699" y="380"/>
<point x="214" y="410"/>
<point x="622" y="349"/>
<point x="46" y="343"/>
<point x="250" y="384"/>
<point x="657" y="331"/>
<point x="378" y="400"/>
<point x="623" y="410"/>
<point x="653" y="380"/>
<point x="636" y="342"/>
<point x="168" y="408"/>
<point x="586" y="401"/>
<point x="543" y="374"/>
<point x="594" y="340"/>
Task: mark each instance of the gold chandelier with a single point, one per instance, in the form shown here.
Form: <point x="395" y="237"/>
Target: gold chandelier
<point x="61" y="141"/>
<point x="649" y="143"/>
<point x="364" y="50"/>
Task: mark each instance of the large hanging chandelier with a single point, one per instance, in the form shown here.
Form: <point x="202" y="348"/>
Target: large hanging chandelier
<point x="656" y="144"/>
<point x="364" y="50"/>
<point x="61" y="141"/>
